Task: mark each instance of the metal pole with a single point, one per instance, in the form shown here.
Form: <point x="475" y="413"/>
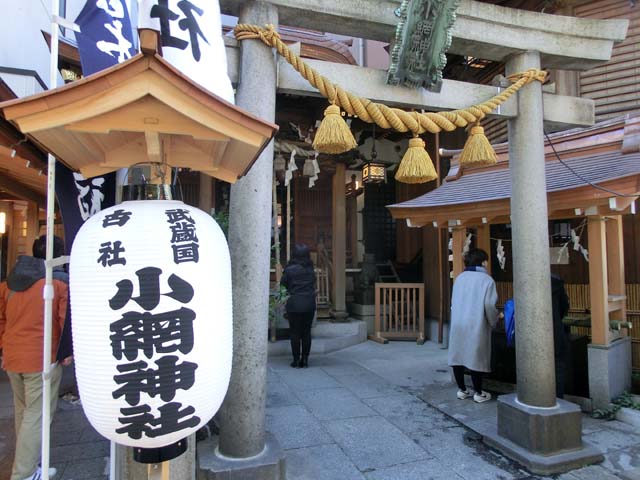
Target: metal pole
<point x="112" y="460"/>
<point x="48" y="288"/>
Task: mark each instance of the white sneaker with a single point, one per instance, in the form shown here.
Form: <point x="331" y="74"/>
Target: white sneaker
<point x="37" y="475"/>
<point x="481" y="397"/>
<point x="462" y="394"/>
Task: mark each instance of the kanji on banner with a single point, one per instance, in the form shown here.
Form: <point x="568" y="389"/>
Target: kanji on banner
<point x="105" y="36"/>
<point x="191" y="38"/>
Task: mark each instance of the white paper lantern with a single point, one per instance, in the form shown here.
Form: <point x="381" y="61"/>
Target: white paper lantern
<point x="152" y="323"/>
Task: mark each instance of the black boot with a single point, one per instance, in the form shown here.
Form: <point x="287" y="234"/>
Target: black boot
<point x="296" y="363"/>
<point x="304" y="362"/>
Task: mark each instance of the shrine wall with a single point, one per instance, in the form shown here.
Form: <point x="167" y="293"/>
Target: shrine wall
<point x="614" y="86"/>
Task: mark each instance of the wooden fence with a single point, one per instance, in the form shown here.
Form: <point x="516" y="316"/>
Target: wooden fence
<point x="579" y="300"/>
<point x="399" y="312"/>
<point x="323" y="296"/>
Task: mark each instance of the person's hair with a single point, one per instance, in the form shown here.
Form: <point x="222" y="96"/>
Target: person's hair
<point x="475" y="257"/>
<point x="301" y="255"/>
<point x="40" y="247"/>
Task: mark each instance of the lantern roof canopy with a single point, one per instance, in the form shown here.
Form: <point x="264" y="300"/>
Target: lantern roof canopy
<point x="139" y="111"/>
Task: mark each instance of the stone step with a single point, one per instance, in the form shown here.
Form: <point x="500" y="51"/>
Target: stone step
<point x="326" y="337"/>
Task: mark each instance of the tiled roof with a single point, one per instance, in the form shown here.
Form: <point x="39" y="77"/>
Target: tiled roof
<point x="496" y="184"/>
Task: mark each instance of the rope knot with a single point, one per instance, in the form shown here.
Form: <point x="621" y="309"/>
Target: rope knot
<point x="530" y="75"/>
<point x="268" y="34"/>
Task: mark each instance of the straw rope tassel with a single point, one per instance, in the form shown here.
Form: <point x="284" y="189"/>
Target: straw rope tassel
<point x="416" y="165"/>
<point x="378" y="113"/>
<point x="333" y="135"/>
<point x="477" y="150"/>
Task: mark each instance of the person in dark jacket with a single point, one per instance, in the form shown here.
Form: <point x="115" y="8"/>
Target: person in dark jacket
<point x="300" y="280"/>
<point x="559" y="308"/>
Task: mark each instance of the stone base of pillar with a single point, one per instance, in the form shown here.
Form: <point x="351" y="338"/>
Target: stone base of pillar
<point x="366" y="313"/>
<point x="339" y="316"/>
<point x="545" y="440"/>
<point x="269" y="465"/>
<point x="609" y="371"/>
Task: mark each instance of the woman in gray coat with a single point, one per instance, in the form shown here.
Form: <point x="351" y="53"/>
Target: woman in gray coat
<point x="473" y="315"/>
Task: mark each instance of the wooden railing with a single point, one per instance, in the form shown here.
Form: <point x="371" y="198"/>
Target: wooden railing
<point x="399" y="312"/>
<point x="323" y="295"/>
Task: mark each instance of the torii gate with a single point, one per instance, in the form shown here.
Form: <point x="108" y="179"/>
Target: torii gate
<point x="533" y="426"/>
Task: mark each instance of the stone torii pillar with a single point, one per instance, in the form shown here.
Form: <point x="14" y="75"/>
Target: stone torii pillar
<point x="245" y="450"/>
<point x="542" y="432"/>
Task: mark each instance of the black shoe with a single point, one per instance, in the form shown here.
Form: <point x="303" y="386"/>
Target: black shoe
<point x="304" y="362"/>
<point x="296" y="363"/>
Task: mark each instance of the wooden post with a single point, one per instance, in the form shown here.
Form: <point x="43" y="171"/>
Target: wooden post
<point x="615" y="270"/>
<point x="158" y="471"/>
<point x="378" y="317"/>
<point x="288" y="222"/>
<point x="459" y="236"/>
<point x="276" y="243"/>
<point x="484" y="241"/>
<point x="276" y="231"/>
<point x="598" y="285"/>
<point x="205" y="195"/>
<point x="339" y="247"/>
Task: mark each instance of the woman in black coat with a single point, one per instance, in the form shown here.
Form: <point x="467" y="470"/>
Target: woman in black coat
<point x="300" y="280"/>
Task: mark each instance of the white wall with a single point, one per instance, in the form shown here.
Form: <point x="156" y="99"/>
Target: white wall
<point x="23" y="45"/>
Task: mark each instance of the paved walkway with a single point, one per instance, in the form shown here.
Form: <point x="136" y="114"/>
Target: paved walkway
<point x="369" y="412"/>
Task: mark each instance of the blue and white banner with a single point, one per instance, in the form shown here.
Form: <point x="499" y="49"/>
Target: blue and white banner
<point x="191" y="38"/>
<point x="106" y="36"/>
<point x="105" y="39"/>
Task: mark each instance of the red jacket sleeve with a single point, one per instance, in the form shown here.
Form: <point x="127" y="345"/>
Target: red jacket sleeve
<point x="3" y="308"/>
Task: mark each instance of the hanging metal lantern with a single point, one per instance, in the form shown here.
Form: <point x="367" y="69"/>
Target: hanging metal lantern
<point x="150" y="289"/>
<point x="374" y="172"/>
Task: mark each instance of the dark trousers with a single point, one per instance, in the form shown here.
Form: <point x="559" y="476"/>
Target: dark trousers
<point x="300" y="330"/>
<point x="476" y="378"/>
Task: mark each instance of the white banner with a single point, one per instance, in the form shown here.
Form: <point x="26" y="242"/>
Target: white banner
<point x="191" y="38"/>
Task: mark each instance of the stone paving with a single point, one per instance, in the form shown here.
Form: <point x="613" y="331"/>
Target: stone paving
<point x="369" y="412"/>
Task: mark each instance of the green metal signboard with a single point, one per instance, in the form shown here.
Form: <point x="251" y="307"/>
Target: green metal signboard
<point x="423" y="35"/>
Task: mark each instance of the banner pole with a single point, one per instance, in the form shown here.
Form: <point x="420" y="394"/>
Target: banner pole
<point x="48" y="288"/>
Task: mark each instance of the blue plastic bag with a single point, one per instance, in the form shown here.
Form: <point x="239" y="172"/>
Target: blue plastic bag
<point x="510" y="322"/>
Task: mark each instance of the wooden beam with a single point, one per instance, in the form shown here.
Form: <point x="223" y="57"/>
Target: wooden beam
<point x="598" y="284"/>
<point x="339" y="243"/>
<point x="14" y="187"/>
<point x="459" y="235"/>
<point x="154" y="146"/>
